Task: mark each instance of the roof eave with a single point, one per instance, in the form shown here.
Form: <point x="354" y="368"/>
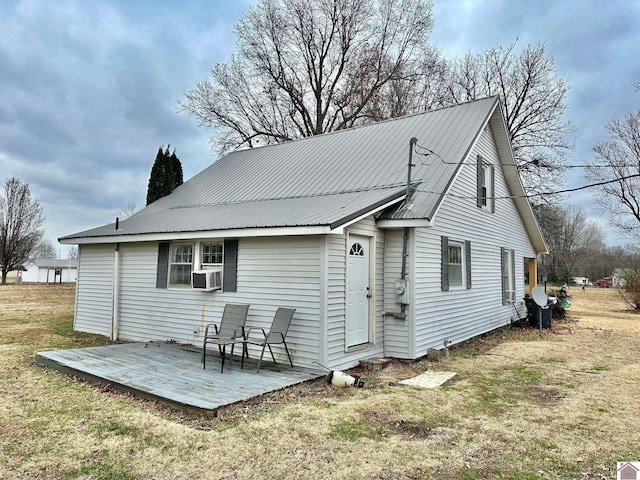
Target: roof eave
<point x="204" y="234"/>
<point x="505" y="154"/>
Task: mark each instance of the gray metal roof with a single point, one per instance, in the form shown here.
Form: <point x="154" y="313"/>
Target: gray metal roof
<point x="55" y="263"/>
<point x="318" y="210"/>
<point x="322" y="180"/>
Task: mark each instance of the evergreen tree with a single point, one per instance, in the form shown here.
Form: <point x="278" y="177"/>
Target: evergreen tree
<point x="166" y="175"/>
<point x="177" y="169"/>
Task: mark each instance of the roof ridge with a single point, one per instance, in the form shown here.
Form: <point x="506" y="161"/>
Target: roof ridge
<point x="360" y="127"/>
<point x="291" y="197"/>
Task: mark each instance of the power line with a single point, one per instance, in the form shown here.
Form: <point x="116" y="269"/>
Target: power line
<point x="531" y="195"/>
<point x="535" y="162"/>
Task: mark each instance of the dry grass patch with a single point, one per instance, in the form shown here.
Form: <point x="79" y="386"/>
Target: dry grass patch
<point x="523" y="406"/>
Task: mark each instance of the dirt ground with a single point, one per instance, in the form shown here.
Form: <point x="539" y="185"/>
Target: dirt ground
<point x="564" y="404"/>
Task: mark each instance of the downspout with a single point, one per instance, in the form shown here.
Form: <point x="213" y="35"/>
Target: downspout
<point x="115" y="295"/>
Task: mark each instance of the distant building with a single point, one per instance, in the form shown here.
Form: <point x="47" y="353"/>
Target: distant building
<point x="50" y="270"/>
<point x="617" y="279"/>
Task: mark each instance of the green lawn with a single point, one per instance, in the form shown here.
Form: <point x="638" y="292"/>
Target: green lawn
<point x="523" y="406"/>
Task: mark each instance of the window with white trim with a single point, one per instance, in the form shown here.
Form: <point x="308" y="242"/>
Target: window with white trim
<point x="211" y="255"/>
<point x="455" y="264"/>
<point x="508" y="276"/>
<point x="486" y="185"/>
<point x="456" y="259"/>
<point x="180" y="264"/>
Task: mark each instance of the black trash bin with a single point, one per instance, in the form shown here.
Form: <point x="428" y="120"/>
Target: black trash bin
<point x="536" y="313"/>
<point x="546" y="315"/>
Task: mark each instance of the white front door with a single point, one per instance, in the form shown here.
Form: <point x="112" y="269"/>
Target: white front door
<point x="358" y="292"/>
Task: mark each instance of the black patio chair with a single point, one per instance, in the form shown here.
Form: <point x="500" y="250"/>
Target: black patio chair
<point x="276" y="335"/>
<point x="230" y="331"/>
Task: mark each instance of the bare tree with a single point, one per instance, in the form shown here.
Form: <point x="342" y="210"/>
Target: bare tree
<point x="571" y="238"/>
<point x="533" y="99"/>
<point x="73" y="253"/>
<point x="304" y="68"/>
<point x="127" y="210"/>
<point x="617" y="169"/>
<point x="44" y="249"/>
<point x="20" y="220"/>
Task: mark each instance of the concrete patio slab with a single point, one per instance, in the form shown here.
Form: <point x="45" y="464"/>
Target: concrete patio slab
<point x="428" y="379"/>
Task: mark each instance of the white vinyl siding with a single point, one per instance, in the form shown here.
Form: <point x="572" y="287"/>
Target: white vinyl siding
<point x="398" y="333"/>
<point x="94" y="299"/>
<point x="272" y="272"/>
<point x="460" y="314"/>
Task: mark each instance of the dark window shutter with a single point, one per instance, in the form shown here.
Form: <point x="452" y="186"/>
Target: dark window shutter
<point x="162" y="272"/>
<point x="230" y="272"/>
<point x="480" y="174"/>
<point x="445" y="264"/>
<point x="503" y="266"/>
<point x="512" y="287"/>
<point x="467" y="262"/>
<point x="493" y="189"/>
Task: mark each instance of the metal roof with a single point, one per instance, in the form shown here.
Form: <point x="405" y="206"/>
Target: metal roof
<point x="322" y="180"/>
<point x="318" y="210"/>
<point x="54" y="263"/>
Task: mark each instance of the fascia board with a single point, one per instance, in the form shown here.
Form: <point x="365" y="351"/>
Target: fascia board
<point x="233" y="233"/>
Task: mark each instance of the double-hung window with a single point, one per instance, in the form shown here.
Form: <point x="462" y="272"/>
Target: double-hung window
<point x="486" y="185"/>
<point x="456" y="264"/>
<point x="180" y="264"/>
<point x="508" y="275"/>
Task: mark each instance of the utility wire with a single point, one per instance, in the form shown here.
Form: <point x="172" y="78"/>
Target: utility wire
<point x="535" y="162"/>
<point x="531" y="195"/>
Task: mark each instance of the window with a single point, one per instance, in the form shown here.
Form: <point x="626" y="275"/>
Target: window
<point x="456" y="264"/>
<point x="508" y="276"/>
<point x="180" y="265"/>
<point x="176" y="262"/>
<point x="486" y="182"/>
<point x="356" y="250"/>
<point x="212" y="255"/>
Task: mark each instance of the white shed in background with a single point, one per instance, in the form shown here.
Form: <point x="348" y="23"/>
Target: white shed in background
<point x="50" y="270"/>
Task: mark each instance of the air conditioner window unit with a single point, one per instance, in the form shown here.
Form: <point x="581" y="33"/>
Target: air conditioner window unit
<point x="206" y="280"/>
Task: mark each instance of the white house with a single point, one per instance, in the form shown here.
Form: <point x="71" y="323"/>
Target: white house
<point x="327" y="225"/>
<point x="618" y="277"/>
<point x="50" y="270"/>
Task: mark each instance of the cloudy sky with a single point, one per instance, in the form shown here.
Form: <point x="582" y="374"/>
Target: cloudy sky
<point x="88" y="88"/>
